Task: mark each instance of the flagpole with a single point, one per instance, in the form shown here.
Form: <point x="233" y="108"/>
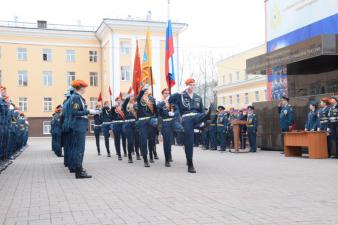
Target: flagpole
<point x="167" y="31"/>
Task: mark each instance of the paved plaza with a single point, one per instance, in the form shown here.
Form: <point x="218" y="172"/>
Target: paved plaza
<point x="245" y="188"/>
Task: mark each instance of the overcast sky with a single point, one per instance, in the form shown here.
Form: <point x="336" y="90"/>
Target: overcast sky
<point x="224" y="27"/>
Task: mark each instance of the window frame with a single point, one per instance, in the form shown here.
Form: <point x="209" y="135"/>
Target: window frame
<point x="257" y="96"/>
<point x="22" y="55"/>
<point x="48" y="103"/>
<point x="246" y="98"/>
<point x="46" y="125"/>
<point x="93" y="56"/>
<point x="50" y="78"/>
<point x="93" y="102"/>
<point x="23" y="104"/>
<point x="70" y="55"/>
<point x="93" y="79"/>
<point x="125" y="73"/>
<point x="69" y="75"/>
<point x="22" y="74"/>
<point x="48" y="54"/>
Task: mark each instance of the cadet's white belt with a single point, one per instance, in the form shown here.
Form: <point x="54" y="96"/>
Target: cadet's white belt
<point x="118" y="121"/>
<point x="324" y="121"/>
<point x="106" y="123"/>
<point x="189" y="114"/>
<point x="166" y="120"/>
<point x="131" y="120"/>
<point x="144" y="118"/>
<point x="97" y="125"/>
<point x="84" y="117"/>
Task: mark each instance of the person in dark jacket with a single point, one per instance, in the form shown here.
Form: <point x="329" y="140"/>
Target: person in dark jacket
<point x="98" y="128"/>
<point x="312" y="118"/>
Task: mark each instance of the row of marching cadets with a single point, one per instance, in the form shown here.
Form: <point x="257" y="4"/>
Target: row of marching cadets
<point x="13" y="129"/>
<point x="324" y="117"/>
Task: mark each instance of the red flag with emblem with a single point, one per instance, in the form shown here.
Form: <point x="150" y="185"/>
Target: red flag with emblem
<point x="99" y="99"/>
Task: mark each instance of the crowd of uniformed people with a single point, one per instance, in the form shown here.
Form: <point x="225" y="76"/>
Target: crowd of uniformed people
<point x="13" y="129"/>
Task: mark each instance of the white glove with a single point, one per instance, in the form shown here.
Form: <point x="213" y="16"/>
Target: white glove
<point x="328" y="130"/>
<point x="94" y="112"/>
<point x="171" y="114"/>
<point x="318" y="129"/>
<point x="202" y="124"/>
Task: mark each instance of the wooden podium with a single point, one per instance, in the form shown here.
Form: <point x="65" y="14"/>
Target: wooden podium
<point x="235" y="124"/>
<point x="316" y="142"/>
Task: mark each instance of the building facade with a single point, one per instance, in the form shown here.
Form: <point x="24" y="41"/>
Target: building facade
<point x="38" y="62"/>
<point x="235" y="87"/>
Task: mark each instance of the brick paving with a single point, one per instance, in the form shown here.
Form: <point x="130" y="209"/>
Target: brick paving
<point x="262" y="188"/>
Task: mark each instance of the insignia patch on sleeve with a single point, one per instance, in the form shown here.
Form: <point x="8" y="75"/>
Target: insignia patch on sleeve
<point x="76" y="106"/>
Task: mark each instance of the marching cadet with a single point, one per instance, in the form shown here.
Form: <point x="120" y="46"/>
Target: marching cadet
<point x="230" y="131"/>
<point x="323" y="118"/>
<point x="191" y="108"/>
<point x="56" y="131"/>
<point x="146" y="124"/>
<point x="107" y="118"/>
<point x="167" y="115"/>
<point x="118" y="117"/>
<point x="222" y="124"/>
<point x="4" y="124"/>
<point x="128" y="126"/>
<point x="333" y="123"/>
<point x="312" y="118"/>
<point x="213" y="131"/>
<point x="252" y="128"/>
<point x="97" y="128"/>
<point x="79" y="124"/>
<point x="242" y="128"/>
<point x="22" y="123"/>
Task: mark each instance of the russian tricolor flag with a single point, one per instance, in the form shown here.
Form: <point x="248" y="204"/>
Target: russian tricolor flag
<point x="169" y="59"/>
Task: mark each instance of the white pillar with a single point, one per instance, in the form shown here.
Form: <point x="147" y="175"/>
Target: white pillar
<point x="115" y="66"/>
<point x="156" y="57"/>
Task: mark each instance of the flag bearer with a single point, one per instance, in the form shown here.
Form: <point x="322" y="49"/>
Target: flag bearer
<point x="191" y="108"/>
<point x="146" y="124"/>
<point x="128" y="126"/>
<point x="107" y="118"/>
<point x="167" y="115"/>
<point x="98" y="128"/>
<point x="118" y="117"/>
<point x="252" y="128"/>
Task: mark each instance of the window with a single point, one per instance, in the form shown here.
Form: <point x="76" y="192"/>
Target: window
<point x="22" y="54"/>
<point x="23" y="104"/>
<point x="230" y="78"/>
<point x="223" y="79"/>
<point x="246" y="76"/>
<point x="237" y="75"/>
<point x="0" y="77"/>
<point x="47" y="78"/>
<point x="125" y="73"/>
<point x="47" y="55"/>
<point x="92" y="56"/>
<point x="237" y="99"/>
<point x="257" y="96"/>
<point x="46" y="127"/>
<point x="125" y="47"/>
<point x="223" y="100"/>
<point x="70" y="77"/>
<point x="230" y="100"/>
<point x="70" y="56"/>
<point x="93" y="79"/>
<point x="93" y="102"/>
<point x="246" y="98"/>
<point x="91" y="126"/>
<point x="23" y="78"/>
<point x="47" y="104"/>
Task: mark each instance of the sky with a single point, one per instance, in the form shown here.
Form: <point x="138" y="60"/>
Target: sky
<point x="220" y="27"/>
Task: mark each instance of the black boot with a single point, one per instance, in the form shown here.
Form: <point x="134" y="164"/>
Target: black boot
<point x="81" y="174"/>
<point x="138" y="157"/>
<point x="167" y="160"/>
<point x="146" y="163"/>
<point x="119" y="157"/>
<point x="130" y="159"/>
<point x="108" y="154"/>
<point x="155" y="155"/>
<point x="191" y="168"/>
<point x="170" y="157"/>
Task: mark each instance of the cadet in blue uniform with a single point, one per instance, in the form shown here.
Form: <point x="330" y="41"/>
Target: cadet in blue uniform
<point x="4" y="125"/>
<point x="97" y="128"/>
<point x="333" y="123"/>
<point x="118" y="120"/>
<point x="66" y="138"/>
<point x="166" y="113"/>
<point x="222" y="124"/>
<point x="242" y="128"/>
<point x="79" y="125"/>
<point x="56" y="131"/>
<point x="230" y="131"/>
<point x="312" y="118"/>
<point x="286" y="115"/>
<point x="107" y="118"/>
<point x="128" y="126"/>
<point x="323" y="118"/>
<point x="146" y="124"/>
<point x="191" y="108"/>
<point x="252" y="128"/>
<point x="213" y="131"/>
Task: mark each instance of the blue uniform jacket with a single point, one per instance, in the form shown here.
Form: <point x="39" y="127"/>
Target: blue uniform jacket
<point x="286" y="116"/>
<point x="142" y="108"/>
<point x="312" y="121"/>
<point x="185" y="104"/>
<point x="252" y="122"/>
<point x="222" y="122"/>
<point x="323" y="118"/>
<point x="79" y="113"/>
